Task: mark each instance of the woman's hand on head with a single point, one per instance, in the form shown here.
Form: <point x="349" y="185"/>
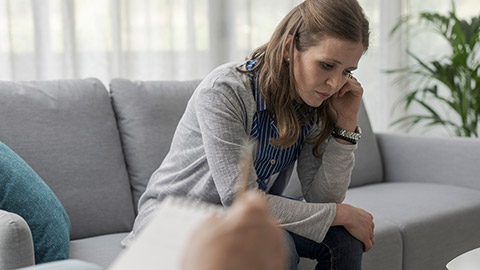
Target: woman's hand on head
<point x="346" y="103"/>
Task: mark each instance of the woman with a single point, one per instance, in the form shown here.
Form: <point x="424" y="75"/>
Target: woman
<point x="297" y="98"/>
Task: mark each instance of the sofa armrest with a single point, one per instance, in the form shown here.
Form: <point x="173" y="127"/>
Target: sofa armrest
<point x="453" y="161"/>
<point x="16" y="243"/>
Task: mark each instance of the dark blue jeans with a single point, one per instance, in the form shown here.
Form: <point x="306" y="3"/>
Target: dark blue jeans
<point x="339" y="250"/>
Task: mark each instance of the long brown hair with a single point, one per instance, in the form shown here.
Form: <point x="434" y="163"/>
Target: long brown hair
<point x="307" y="23"/>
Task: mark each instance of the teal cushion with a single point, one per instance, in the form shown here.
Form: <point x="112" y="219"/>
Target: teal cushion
<point x="23" y="192"/>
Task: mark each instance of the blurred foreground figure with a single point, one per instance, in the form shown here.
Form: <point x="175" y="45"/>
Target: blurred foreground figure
<point x="247" y="237"/>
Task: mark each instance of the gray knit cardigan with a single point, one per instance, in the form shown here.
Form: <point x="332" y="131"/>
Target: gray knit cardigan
<point x="204" y="155"/>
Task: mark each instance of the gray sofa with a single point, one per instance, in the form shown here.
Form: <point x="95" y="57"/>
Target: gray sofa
<point x="96" y="149"/>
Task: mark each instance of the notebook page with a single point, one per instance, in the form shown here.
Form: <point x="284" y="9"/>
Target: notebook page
<point x="162" y="243"/>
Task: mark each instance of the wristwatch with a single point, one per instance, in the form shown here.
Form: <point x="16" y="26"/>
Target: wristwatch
<point x="346" y="135"/>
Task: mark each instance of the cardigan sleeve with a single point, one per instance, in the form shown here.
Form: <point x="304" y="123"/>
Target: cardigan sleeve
<point x="223" y="121"/>
<point x="310" y="220"/>
<point x="326" y="179"/>
<point x="324" y="183"/>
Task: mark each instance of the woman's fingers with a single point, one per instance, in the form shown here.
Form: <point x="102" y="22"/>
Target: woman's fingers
<point x="360" y="225"/>
<point x="367" y="246"/>
<point x="369" y="243"/>
<point x="353" y="86"/>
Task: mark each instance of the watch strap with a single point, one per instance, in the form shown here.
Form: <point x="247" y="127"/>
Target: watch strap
<point x="346" y="135"/>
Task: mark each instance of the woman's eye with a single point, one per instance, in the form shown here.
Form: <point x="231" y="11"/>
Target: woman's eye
<point x="326" y="66"/>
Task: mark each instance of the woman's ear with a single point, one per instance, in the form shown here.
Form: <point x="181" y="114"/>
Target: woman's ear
<point x="286" y="48"/>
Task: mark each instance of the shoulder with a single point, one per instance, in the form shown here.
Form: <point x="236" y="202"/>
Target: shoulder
<point x="225" y="84"/>
<point x="225" y="77"/>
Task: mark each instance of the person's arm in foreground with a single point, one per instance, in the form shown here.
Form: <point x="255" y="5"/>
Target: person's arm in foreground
<point x="326" y="179"/>
<point x="247" y="237"/>
<point x="357" y="221"/>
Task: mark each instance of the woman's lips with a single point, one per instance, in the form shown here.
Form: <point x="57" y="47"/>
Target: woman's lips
<point x="323" y="95"/>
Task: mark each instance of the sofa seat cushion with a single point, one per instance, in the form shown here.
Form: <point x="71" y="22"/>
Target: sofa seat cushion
<point x="23" y="192"/>
<point x="437" y="222"/>
<point x="66" y="131"/>
<point x="100" y="250"/>
<point x="387" y="253"/>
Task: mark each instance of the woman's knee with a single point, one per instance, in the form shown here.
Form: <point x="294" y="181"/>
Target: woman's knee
<point x="344" y="246"/>
<point x="344" y="240"/>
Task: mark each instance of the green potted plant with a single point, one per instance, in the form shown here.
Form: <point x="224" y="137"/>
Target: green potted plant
<point x="449" y="83"/>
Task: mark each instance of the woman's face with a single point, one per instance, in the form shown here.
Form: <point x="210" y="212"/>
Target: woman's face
<point x="322" y="70"/>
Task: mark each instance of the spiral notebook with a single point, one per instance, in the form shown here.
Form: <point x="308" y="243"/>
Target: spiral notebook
<point x="163" y="241"/>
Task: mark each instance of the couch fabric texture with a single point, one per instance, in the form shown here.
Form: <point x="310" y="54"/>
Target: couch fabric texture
<point x="96" y="149"/>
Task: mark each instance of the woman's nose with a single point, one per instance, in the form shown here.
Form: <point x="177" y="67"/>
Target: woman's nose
<point x="335" y="82"/>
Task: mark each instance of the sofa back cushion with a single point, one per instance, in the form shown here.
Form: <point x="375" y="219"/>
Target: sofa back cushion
<point x="147" y="115"/>
<point x="66" y="131"/>
<point x="368" y="161"/>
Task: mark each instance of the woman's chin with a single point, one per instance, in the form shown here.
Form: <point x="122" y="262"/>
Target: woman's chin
<point x="315" y="103"/>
